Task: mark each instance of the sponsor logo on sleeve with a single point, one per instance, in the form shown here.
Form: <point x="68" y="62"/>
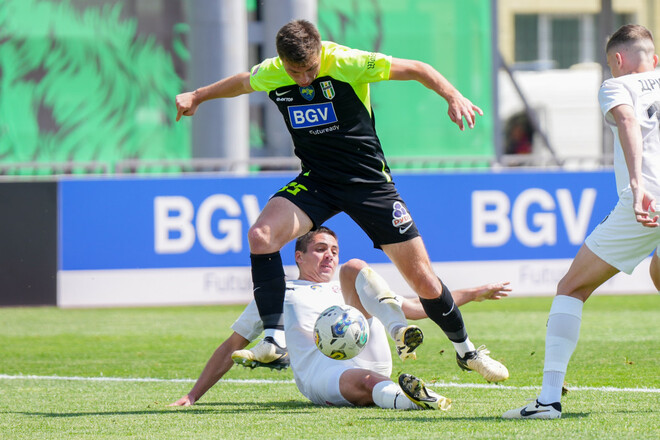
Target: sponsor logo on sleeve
<point x="371" y="62"/>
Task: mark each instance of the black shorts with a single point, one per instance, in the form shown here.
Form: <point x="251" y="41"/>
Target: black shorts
<point x="376" y="207"/>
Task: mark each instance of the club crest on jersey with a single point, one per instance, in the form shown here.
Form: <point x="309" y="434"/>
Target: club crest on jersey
<point x="327" y="89"/>
<point x="307" y="92"/>
<point x="401" y="217"/>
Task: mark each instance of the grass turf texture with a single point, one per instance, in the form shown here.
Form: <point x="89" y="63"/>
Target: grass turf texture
<point x="618" y="348"/>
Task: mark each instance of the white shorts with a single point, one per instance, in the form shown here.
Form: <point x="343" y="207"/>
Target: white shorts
<point x="620" y="240"/>
<point x="320" y="383"/>
<point x="324" y="390"/>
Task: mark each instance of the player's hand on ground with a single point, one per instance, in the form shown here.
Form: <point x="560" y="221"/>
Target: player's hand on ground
<point x="460" y="107"/>
<point x="185" y="105"/>
<point x="492" y="291"/>
<point x="184" y="401"/>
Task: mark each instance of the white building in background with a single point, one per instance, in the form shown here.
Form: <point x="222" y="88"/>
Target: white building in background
<point x="566" y="104"/>
<point x="555" y="50"/>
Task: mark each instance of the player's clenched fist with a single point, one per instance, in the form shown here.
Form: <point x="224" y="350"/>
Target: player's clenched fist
<point x="185" y="105"/>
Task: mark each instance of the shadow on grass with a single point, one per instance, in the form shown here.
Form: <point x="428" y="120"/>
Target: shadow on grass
<point x="198" y="408"/>
<point x="448" y="418"/>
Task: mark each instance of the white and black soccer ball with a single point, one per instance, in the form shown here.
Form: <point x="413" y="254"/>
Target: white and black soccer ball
<point x="341" y="332"/>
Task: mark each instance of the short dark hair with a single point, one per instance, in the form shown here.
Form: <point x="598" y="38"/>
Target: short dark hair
<point x="628" y="33"/>
<point x="298" y="41"/>
<point x="303" y="241"/>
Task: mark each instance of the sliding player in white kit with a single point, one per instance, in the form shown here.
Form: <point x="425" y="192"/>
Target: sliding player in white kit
<point x="630" y="102"/>
<point x="361" y="381"/>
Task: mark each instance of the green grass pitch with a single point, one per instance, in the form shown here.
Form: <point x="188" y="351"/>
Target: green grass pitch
<point x="82" y="374"/>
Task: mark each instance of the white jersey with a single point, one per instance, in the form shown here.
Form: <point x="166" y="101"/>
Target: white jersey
<point x="303" y="303"/>
<point x="641" y="91"/>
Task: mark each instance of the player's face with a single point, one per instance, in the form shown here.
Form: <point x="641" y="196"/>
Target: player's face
<point x="303" y="74"/>
<point x="319" y="262"/>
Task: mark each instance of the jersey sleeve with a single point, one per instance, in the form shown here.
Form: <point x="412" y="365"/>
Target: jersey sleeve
<point x="354" y="65"/>
<point x="269" y="75"/>
<point x="249" y="324"/>
<point x="613" y="94"/>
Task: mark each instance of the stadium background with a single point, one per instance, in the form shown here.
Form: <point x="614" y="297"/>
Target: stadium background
<point x="105" y="201"/>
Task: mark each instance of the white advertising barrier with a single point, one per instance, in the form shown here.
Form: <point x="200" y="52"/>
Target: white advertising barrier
<point x="180" y="240"/>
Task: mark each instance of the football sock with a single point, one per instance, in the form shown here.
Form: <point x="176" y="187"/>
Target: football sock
<point x="560" y="342"/>
<point x="463" y="347"/>
<point x="269" y="288"/>
<point x="389" y="395"/>
<point x="444" y="312"/>
<point x="379" y="301"/>
<point x="277" y="335"/>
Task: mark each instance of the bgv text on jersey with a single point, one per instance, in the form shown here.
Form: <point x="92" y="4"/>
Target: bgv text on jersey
<point x="311" y="115"/>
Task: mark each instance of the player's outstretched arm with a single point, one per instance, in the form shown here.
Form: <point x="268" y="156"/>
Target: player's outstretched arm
<point x="235" y="85"/>
<point x="413" y="309"/>
<point x="459" y="106"/>
<point x="492" y="291"/>
<point x="215" y="368"/>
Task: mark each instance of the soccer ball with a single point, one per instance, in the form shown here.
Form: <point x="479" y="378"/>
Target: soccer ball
<point x="341" y="332"/>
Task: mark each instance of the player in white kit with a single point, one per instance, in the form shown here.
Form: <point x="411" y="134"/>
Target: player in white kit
<point x="630" y="102"/>
<point x="361" y="381"/>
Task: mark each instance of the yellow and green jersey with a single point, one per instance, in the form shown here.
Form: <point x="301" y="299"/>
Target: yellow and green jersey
<point x="331" y="121"/>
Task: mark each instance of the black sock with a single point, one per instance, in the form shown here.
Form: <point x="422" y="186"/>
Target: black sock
<point x="269" y="288"/>
<point x="444" y="312"/>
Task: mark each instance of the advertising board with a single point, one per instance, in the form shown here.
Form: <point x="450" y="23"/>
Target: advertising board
<point x="183" y="240"/>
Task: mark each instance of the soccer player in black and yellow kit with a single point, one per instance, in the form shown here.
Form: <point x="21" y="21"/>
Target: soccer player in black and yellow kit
<point x="322" y="90"/>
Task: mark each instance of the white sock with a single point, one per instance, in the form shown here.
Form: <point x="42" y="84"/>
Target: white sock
<point x="378" y="300"/>
<point x="463" y="347"/>
<point x="388" y="395"/>
<point x="560" y="342"/>
<point x="277" y="335"/>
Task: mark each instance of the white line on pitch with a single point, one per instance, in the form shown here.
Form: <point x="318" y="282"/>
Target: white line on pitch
<point x="268" y="381"/>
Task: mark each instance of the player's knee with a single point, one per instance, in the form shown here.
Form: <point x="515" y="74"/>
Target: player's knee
<point x="568" y="287"/>
<point x="654" y="271"/>
<point x="260" y="239"/>
<point x="350" y="270"/>
<point x="565" y="287"/>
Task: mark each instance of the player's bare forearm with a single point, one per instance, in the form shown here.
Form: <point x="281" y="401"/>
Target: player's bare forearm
<point x="412" y="307"/>
<point x="423" y="73"/>
<point x="216" y="367"/>
<point x="459" y="106"/>
<point x="632" y="145"/>
<point x="631" y="141"/>
<point x="229" y="87"/>
<point x="491" y="291"/>
<point x="235" y="85"/>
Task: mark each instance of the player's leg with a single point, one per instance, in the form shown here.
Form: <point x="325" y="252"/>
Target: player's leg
<point x="348" y="273"/>
<point x="364" y="388"/>
<point x="586" y="273"/>
<point x="654" y="270"/>
<point x="412" y="261"/>
<point x="416" y="390"/>
<point x="364" y="289"/>
<point x="280" y="222"/>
